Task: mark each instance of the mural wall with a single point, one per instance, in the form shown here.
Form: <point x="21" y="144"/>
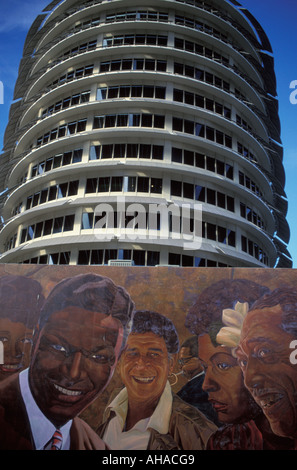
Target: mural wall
<point x="120" y="358"/>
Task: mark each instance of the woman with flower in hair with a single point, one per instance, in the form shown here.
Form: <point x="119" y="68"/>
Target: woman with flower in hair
<point x="216" y="319"/>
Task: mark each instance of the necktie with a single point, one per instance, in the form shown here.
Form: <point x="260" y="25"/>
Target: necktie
<point x="57" y="439"/>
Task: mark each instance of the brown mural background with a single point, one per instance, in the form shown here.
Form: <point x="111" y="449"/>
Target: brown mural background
<point x="169" y="291"/>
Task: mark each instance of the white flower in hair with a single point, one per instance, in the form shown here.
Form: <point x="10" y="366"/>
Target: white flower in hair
<point x="229" y="335"/>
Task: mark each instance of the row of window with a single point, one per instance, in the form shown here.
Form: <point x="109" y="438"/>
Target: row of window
<point x="199" y="26"/>
<point x="141" y="184"/>
<point x="200" y="160"/>
<point x="161" y="66"/>
<point x="247" y="213"/>
<point x="148" y="65"/>
<point x="138" y="257"/>
<point x="145" y="91"/>
<point x="199" y="49"/>
<point x="52" y="193"/>
<point x="74" y="100"/>
<point x="158" y="121"/>
<point x="99" y="257"/>
<point x="158" y="92"/>
<point x="61" y="159"/>
<point x="246" y="181"/>
<point x="154" y="185"/>
<point x="245" y="152"/>
<point x="141" y="15"/>
<point x="148" y="151"/>
<point x="80" y="72"/>
<point x="253" y="249"/>
<point x="201" y="102"/>
<point x="153" y="65"/>
<point x="135" y="39"/>
<point x="200" y="130"/>
<point x="79" y="49"/>
<point x="63" y="130"/>
<point x="202" y="194"/>
<point x="134" y="91"/>
<point x="47" y="227"/>
<point x="209" y="231"/>
<point x="129" y="120"/>
<point x="222" y="14"/>
<point x="52" y="258"/>
<point x="196" y="3"/>
<point x="161" y="40"/>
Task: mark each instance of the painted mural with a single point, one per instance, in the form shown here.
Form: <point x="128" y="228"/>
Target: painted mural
<point x="120" y="358"/>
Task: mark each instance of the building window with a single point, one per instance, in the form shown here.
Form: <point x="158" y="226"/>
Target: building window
<point x="202" y="194"/>
<point x="133" y="64"/>
<point x="140" y="257"/>
<point x="53" y="258"/>
<point x="142" y="184"/>
<point x="48" y="227"/>
<point x="201" y="75"/>
<point x="66" y="158"/>
<point x="131" y="39"/>
<point x="253" y="249"/>
<point x="195" y="261"/>
<point x="200" y="130"/>
<point x="129" y="120"/>
<point x="146" y="151"/>
<point x="126" y="91"/>
<point x="57" y="191"/>
<point x="73" y="100"/>
<point x="244" y="180"/>
<point x="64" y="130"/>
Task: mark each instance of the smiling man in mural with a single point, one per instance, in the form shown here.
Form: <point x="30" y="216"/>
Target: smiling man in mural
<point x="83" y="326"/>
<point x="265" y="355"/>
<point x="21" y="299"/>
<point x="146" y="414"/>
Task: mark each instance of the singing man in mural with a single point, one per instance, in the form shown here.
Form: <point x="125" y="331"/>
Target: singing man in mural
<point x="265" y="355"/>
<point x="146" y="414"/>
<point x="82" y="329"/>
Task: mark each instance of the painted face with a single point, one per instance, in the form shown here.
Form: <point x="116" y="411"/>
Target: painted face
<point x="189" y="365"/>
<point x="145" y="367"/>
<point x="223" y="382"/>
<point x="264" y="356"/>
<point x="73" y="361"/>
<point x="17" y="342"/>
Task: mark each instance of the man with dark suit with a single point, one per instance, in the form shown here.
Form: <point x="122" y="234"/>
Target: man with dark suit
<point x="193" y="371"/>
<point x="82" y="329"/>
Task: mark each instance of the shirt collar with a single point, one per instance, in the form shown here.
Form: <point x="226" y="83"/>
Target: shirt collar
<point x="160" y="417"/>
<point x="42" y="429"/>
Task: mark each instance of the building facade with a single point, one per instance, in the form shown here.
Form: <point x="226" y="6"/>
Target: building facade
<point x="145" y="135"/>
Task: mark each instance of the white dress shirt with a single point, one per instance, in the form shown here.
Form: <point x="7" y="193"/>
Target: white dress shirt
<point x="42" y="429"/>
<point x="137" y="438"/>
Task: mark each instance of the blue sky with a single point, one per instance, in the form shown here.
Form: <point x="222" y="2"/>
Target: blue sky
<point x="277" y="17"/>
